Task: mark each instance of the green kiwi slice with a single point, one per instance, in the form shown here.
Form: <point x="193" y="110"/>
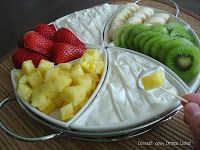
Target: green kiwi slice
<point x="182" y="34"/>
<point x="137" y="30"/>
<point x="184" y="61"/>
<point x="174" y="25"/>
<point x="160" y="28"/>
<point x="147" y="46"/>
<point x="117" y="35"/>
<point x="156" y="46"/>
<point x="166" y="47"/>
<point x="148" y="36"/>
<point x="125" y="36"/>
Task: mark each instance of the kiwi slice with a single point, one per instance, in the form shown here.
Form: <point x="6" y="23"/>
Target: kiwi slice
<point x="166" y="47"/>
<point x="156" y="46"/>
<point x="147" y="46"/>
<point x="125" y="36"/>
<point x="137" y="30"/>
<point x="160" y="28"/>
<point x="117" y="35"/>
<point x="183" y="34"/>
<point x="174" y="25"/>
<point x="148" y="36"/>
<point x="184" y="61"/>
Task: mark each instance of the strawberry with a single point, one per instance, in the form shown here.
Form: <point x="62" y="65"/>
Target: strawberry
<point x="23" y="54"/>
<point x="38" y="43"/>
<point x="45" y="30"/>
<point x="52" y="26"/>
<point x="64" y="52"/>
<point x="64" y="35"/>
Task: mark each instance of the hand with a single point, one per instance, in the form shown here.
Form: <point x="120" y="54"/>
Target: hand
<point x="192" y="115"/>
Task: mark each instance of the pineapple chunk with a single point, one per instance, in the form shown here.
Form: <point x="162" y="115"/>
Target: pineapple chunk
<point x="95" y="80"/>
<point x="76" y="70"/>
<point x="35" y="79"/>
<point x="66" y="112"/>
<point x="65" y="66"/>
<point x="65" y="73"/>
<point x="44" y="66"/>
<point x="62" y="81"/>
<point x="28" y="67"/>
<point x="38" y="100"/>
<point x="51" y="74"/>
<point x="49" y="107"/>
<point x="85" y="80"/>
<point x="18" y="75"/>
<point x="23" y="79"/>
<point x="49" y="90"/>
<point x="94" y="53"/>
<point x="24" y="91"/>
<point x="153" y="80"/>
<point x="75" y="94"/>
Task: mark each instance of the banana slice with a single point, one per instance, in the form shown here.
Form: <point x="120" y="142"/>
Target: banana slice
<point x="135" y="20"/>
<point x="162" y="15"/>
<point x="147" y="11"/>
<point x="140" y="15"/>
<point x="156" y="20"/>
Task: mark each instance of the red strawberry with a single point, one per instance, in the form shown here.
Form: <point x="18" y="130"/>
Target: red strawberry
<point x="64" y="35"/>
<point x="45" y="30"/>
<point x="64" y="52"/>
<point x="23" y="54"/>
<point x="52" y="26"/>
<point x="38" y="43"/>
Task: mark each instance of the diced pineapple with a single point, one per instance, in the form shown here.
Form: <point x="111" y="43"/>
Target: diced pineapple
<point x="94" y="53"/>
<point x="99" y="67"/>
<point x="65" y="66"/>
<point x="153" y="80"/>
<point x="62" y="81"/>
<point x="23" y="79"/>
<point x="76" y="70"/>
<point x="44" y="66"/>
<point x="18" y="75"/>
<point x="51" y="74"/>
<point x="28" y="67"/>
<point x="75" y="94"/>
<point x="67" y="112"/>
<point x="49" y="90"/>
<point x="95" y="80"/>
<point x="35" y="79"/>
<point x="85" y="80"/>
<point x="65" y="73"/>
<point x="24" y="91"/>
<point x="38" y="100"/>
<point x="49" y="107"/>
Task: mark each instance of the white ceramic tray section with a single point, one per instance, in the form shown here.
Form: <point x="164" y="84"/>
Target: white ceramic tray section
<point x="119" y="103"/>
<point x="52" y="118"/>
<point x="194" y="84"/>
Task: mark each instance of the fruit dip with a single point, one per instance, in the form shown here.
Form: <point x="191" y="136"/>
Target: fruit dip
<point x="88" y="24"/>
<point x="120" y="101"/>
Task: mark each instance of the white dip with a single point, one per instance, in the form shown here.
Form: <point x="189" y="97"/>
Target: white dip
<point x="120" y="101"/>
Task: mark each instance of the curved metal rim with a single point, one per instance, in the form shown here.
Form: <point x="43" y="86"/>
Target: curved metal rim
<point x="19" y="137"/>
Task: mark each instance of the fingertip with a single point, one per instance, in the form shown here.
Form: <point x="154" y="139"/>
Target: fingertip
<point x="192" y="98"/>
<point x="192" y="109"/>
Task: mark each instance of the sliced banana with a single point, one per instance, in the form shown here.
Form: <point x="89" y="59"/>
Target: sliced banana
<point x="162" y="15"/>
<point x="135" y="20"/>
<point x="147" y="11"/>
<point x="156" y="20"/>
<point x="140" y="15"/>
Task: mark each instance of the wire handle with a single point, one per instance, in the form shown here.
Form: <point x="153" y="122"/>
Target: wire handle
<point x="22" y="138"/>
<point x="173" y="2"/>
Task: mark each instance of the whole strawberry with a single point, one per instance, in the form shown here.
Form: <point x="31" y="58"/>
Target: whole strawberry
<point x="52" y="26"/>
<point x="38" y="43"/>
<point x="64" y="35"/>
<point x="65" y="52"/>
<point x="23" y="54"/>
<point x="45" y="30"/>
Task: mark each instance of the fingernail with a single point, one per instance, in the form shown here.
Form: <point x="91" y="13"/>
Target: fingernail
<point x="192" y="109"/>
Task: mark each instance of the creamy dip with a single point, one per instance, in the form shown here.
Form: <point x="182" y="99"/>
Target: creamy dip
<point x="88" y="24"/>
<point x="120" y="100"/>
